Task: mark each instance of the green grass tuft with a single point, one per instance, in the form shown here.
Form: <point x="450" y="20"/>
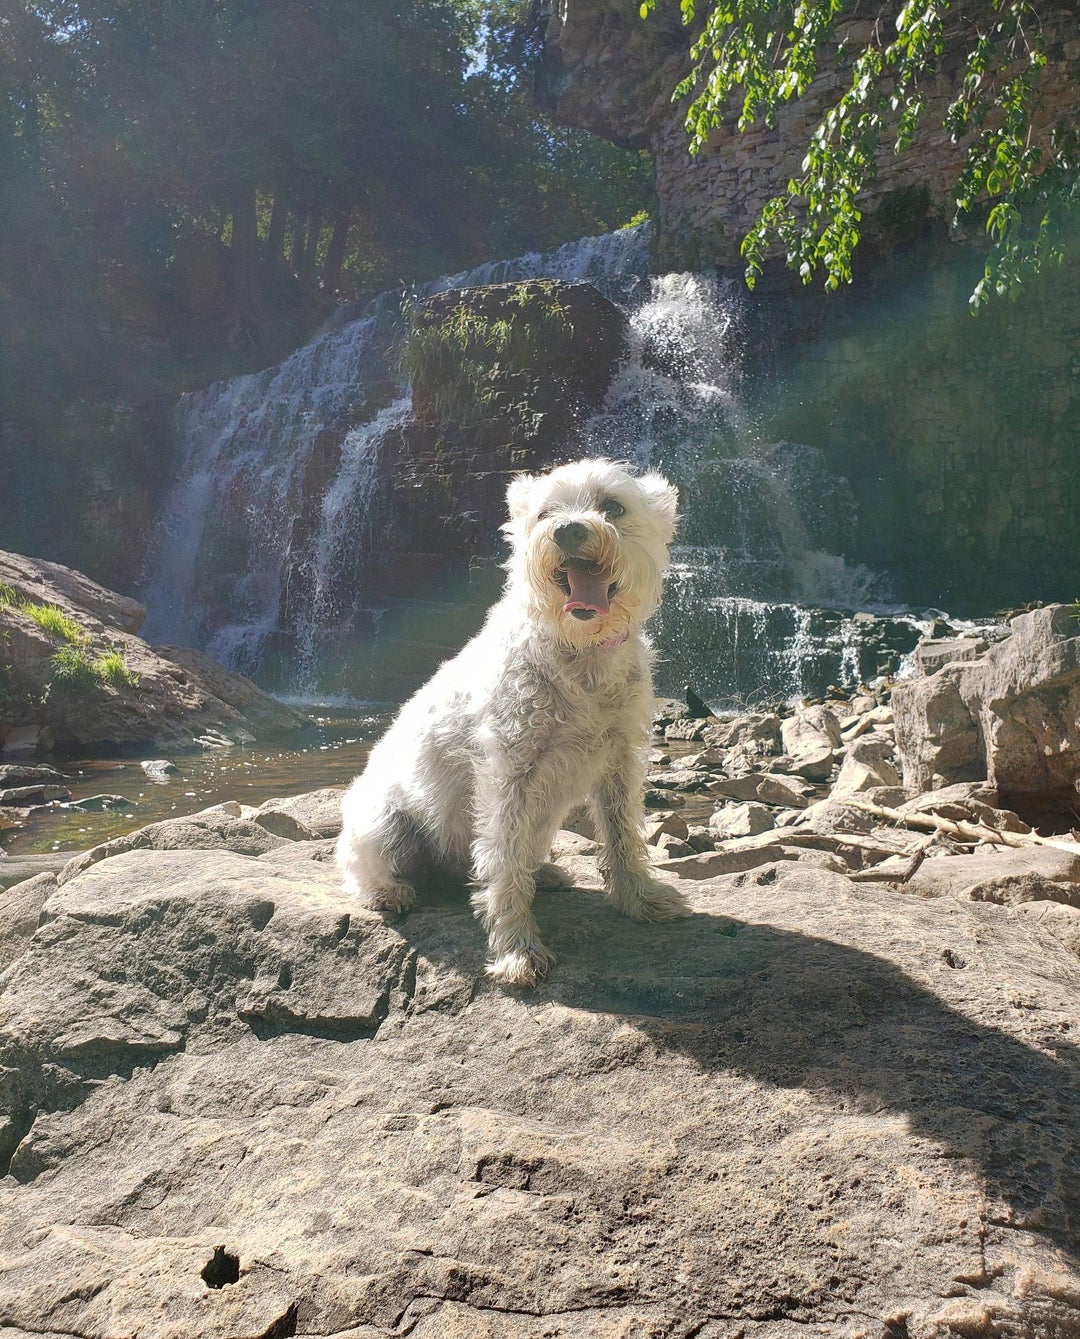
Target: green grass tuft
<point x="8" y="595"/>
<point x="51" y="618"/>
<point x="112" y="667"/>
<point x="72" y="667"/>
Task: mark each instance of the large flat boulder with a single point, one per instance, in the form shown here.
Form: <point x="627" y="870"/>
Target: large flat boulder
<point x="240" y="1105"/>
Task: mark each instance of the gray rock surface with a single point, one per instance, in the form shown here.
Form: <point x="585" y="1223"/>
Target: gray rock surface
<point x="1006" y="876"/>
<point x="222" y="828"/>
<point x="319" y="810"/>
<point x="809" y="737"/>
<point x="1010" y="716"/>
<point x="241" y="1106"/>
<point x="179" y="696"/>
<point x="868" y="766"/>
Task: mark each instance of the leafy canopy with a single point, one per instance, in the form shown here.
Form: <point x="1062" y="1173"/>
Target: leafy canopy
<point x="1021" y="169"/>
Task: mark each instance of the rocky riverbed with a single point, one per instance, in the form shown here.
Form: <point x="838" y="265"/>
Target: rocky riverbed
<point x="839" y="1099"/>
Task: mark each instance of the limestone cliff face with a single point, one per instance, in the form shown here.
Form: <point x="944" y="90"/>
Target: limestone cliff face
<point x="607" y="71"/>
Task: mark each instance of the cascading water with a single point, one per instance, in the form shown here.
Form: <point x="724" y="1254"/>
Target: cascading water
<point x="260" y="450"/>
<point x="757" y="601"/>
<point x="280" y="469"/>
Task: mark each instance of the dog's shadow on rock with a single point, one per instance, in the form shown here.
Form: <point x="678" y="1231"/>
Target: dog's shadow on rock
<point x="946" y="1013"/>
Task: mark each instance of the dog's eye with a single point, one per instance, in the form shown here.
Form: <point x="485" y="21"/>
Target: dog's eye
<point x="542" y="515"/>
<point x="612" y="508"/>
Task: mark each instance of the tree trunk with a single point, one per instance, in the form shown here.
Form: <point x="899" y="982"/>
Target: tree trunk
<point x="311" y="251"/>
<point x="296" y="256"/>
<point x="335" y="252"/>
<point x="275" y="237"/>
<point x="245" y="255"/>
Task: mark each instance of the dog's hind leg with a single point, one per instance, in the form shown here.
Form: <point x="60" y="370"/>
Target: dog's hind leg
<point x="372" y="854"/>
<point x="618" y="802"/>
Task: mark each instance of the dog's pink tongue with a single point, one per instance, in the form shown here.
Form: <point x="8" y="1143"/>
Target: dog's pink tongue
<point x="588" y="589"/>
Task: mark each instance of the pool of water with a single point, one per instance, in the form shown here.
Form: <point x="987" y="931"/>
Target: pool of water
<point x="329" y="752"/>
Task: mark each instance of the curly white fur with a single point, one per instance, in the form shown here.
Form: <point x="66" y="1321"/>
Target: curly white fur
<point x="548" y="705"/>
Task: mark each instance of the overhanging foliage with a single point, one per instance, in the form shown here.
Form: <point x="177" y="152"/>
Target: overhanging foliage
<point x="1020" y="174"/>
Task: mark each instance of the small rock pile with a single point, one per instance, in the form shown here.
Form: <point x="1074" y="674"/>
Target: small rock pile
<point x="829" y="783"/>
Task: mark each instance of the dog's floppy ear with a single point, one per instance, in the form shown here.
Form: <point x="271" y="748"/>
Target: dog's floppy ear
<point x="517" y="495"/>
<point x="663" y="500"/>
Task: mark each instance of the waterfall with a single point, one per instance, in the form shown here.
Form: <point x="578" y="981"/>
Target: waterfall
<point x="259" y="452"/>
<point x="256" y="553"/>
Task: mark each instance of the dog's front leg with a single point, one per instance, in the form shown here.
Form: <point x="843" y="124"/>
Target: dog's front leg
<point x="509" y="819"/>
<point x="619" y="805"/>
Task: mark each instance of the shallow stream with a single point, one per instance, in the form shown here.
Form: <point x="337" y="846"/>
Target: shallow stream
<point x="329" y="753"/>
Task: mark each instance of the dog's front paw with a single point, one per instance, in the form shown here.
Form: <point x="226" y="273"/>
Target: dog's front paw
<point x="522" y="966"/>
<point x="548" y="875"/>
<point x="648" y="899"/>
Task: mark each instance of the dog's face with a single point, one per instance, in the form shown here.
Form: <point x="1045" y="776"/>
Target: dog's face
<point x="590" y="547"/>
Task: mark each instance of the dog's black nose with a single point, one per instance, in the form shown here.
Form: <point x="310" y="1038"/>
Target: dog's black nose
<point x="570" y="536"/>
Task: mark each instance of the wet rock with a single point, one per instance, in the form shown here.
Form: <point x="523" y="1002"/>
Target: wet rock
<point x="97" y="804"/>
<point x="18" y="774"/>
<point x="159" y="769"/>
<point x="22" y="797"/>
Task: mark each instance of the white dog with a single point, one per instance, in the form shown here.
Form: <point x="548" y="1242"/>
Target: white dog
<point x="548" y="705"/>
